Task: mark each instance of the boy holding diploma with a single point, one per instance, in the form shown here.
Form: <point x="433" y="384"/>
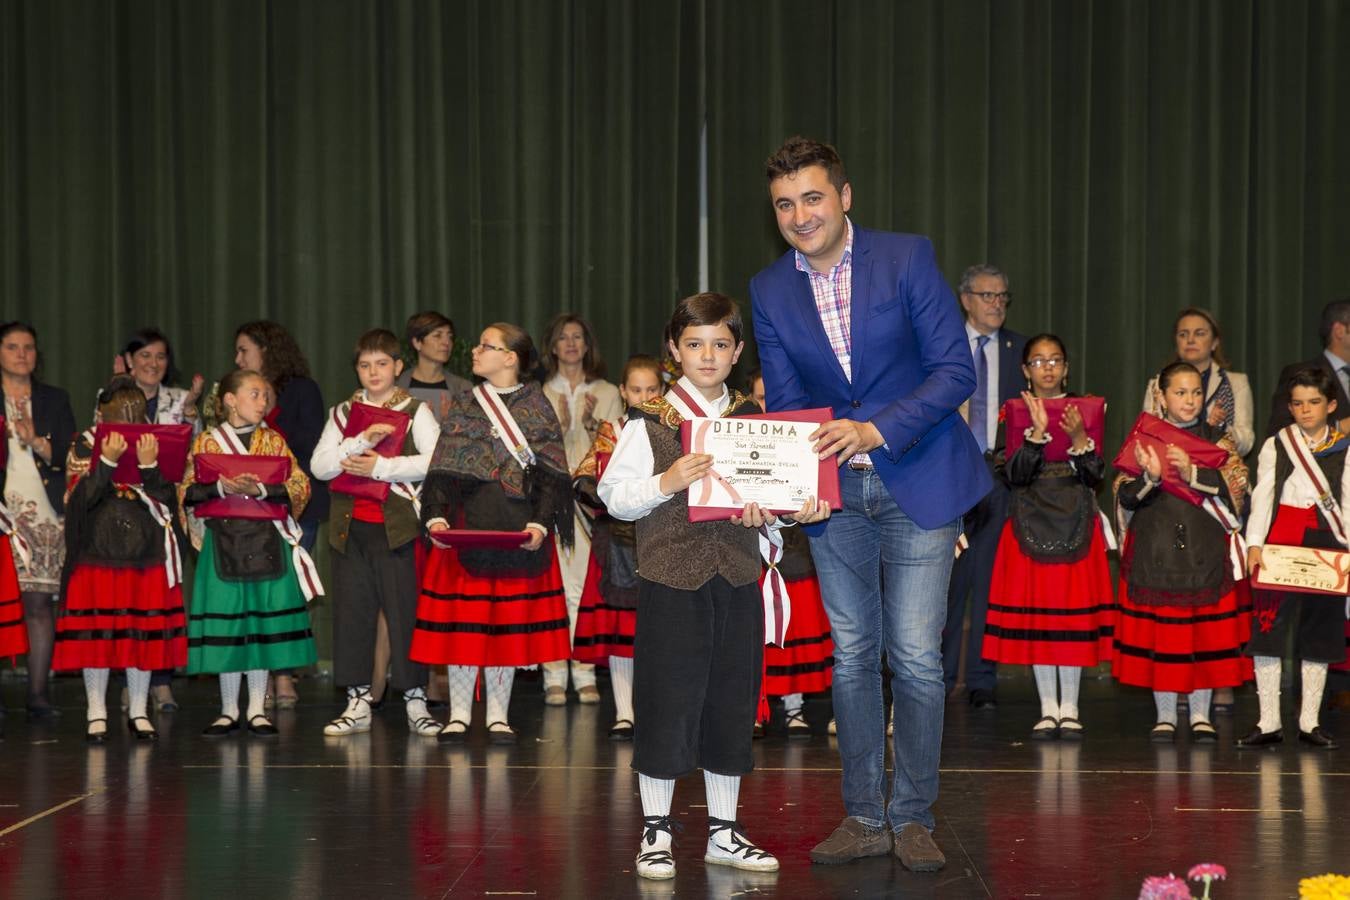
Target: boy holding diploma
<point x="700" y="628"/>
<point x="1303" y="465"/>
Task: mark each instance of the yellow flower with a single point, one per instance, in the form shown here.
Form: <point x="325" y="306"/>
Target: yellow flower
<point x="1325" y="887"/>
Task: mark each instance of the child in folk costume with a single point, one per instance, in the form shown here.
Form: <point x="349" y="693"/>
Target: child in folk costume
<point x="1050" y="603"/>
<point x="607" y="618"/>
<point x="122" y="601"/>
<point x="253" y="577"/>
<point x="499" y="466"/>
<point x="805" y="663"/>
<point x="373" y="540"/>
<point x="1300" y="499"/>
<point x="700" y="629"/>
<point x="1184" y="612"/>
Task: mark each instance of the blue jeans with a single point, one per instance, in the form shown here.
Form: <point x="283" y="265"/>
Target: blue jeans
<point x="884" y="584"/>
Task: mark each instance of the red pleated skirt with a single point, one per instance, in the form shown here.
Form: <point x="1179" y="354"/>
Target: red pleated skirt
<point x="119" y="618"/>
<point x="602" y="630"/>
<point x="13" y="634"/>
<point x="1049" y="614"/>
<point x="1184" y="648"/>
<point x="465" y="619"/>
<point x="805" y="663"/>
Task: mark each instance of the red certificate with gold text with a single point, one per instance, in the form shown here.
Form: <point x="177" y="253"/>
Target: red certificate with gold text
<point x="765" y="459"/>
<point x="1306" y="570"/>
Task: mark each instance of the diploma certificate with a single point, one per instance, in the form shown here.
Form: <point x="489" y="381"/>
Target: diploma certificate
<point x="1303" y="569"/>
<point x="764" y="461"/>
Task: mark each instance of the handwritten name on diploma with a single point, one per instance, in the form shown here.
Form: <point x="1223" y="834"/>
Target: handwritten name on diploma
<point x="765" y="461"/>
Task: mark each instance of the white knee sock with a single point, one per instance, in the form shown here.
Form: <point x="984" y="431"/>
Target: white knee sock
<point x="461" y="681"/>
<point x="723" y="792"/>
<point x="657" y="795"/>
<point x="1045" y="686"/>
<point x="1314" y="682"/>
<point x="96" y="693"/>
<point x="138" y="692"/>
<point x="1199" y="703"/>
<point x="497" y="680"/>
<point x="792" y="703"/>
<point x="621" y="680"/>
<point x="1070" y="677"/>
<point x="1268" y="692"/>
<point x="229" y="693"/>
<point x="257" y="692"/>
<point x="1166" y="702"/>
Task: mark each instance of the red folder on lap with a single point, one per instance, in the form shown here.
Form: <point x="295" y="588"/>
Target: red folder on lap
<point x="173" y="449"/>
<point x="828" y="484"/>
<point x="463" y="538"/>
<point x="211" y="467"/>
<point x="1017" y="419"/>
<point x="1151" y="431"/>
<point x="361" y="417"/>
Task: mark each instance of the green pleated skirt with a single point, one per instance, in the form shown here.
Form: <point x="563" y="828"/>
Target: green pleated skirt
<point x="235" y="626"/>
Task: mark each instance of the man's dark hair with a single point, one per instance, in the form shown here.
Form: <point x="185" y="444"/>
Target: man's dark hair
<point x="707" y="308"/>
<point x="798" y="152"/>
<point x="1334" y="312"/>
<point x="1316" y="378"/>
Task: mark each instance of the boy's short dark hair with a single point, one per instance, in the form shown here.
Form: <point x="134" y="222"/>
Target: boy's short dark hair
<point x="707" y="308"/>
<point x="377" y="340"/>
<point x="798" y="152"/>
<point x="1314" y="377"/>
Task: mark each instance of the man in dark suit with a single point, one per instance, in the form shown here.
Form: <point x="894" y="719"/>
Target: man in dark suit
<point x="862" y="322"/>
<point x="1334" y="359"/>
<point x="997" y="353"/>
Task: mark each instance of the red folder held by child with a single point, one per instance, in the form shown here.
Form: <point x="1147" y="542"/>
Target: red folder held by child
<point x="1151" y="431"/>
<point x="828" y="479"/>
<point x="173" y="449"/>
<point x="211" y="467"/>
<point x="464" y="538"/>
<point x="361" y="417"/>
<point x="1017" y="419"/>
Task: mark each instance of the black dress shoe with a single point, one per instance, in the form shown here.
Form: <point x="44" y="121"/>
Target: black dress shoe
<point x="261" y="726"/>
<point x="981" y="699"/>
<point x="96" y="737"/>
<point x="622" y="731"/>
<point x="1317" y="738"/>
<point x="142" y="734"/>
<point x="43" y="712"/>
<point x="1258" y="738"/>
<point x="223" y="726"/>
<point x="449" y="735"/>
<point x="1203" y="733"/>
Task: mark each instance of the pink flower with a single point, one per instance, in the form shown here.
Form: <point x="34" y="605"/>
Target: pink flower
<point x="1164" y="887"/>
<point x="1204" y="871"/>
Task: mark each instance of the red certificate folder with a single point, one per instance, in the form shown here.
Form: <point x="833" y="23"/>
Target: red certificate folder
<point x="829" y="472"/>
<point x="1017" y="419"/>
<point x="464" y="538"/>
<point x="210" y="467"/>
<point x="1151" y="431"/>
<point x="361" y="417"/>
<point x="173" y="449"/>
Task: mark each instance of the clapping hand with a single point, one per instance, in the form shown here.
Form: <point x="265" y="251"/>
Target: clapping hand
<point x="1182" y="461"/>
<point x="1148" y="460"/>
<point x="1040" y="420"/>
<point x="1072" y="423"/>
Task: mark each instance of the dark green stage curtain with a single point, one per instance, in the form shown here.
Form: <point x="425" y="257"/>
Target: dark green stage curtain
<point x="1120" y="160"/>
<point x="337" y="165"/>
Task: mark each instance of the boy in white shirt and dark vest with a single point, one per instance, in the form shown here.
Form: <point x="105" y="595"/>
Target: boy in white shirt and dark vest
<point x="698" y="650"/>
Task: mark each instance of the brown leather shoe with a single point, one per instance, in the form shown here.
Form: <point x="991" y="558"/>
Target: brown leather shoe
<point x="852" y="840"/>
<point x="915" y="849"/>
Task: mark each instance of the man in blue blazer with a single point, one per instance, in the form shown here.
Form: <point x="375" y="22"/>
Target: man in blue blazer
<point x="862" y="322"/>
<point x="997" y="353"/>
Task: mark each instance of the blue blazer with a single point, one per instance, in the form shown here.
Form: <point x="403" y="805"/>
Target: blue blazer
<point x="912" y="368"/>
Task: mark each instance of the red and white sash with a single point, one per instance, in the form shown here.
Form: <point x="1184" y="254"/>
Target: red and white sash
<point x="777" y="603"/>
<point x="305" y="570"/>
<point x="1232" y="525"/>
<point x="405" y="489"/>
<point x="504" y="425"/>
<point x="1302" y="457"/>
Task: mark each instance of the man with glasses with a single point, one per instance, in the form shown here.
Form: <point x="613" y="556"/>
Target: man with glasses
<point x="997" y="355"/>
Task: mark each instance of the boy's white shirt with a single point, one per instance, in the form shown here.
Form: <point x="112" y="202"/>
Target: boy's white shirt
<point x="629" y="488"/>
<point x="326" y="461"/>
<point x="1298" y="492"/>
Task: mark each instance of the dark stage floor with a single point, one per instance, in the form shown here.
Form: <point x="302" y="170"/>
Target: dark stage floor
<point x="390" y="815"/>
